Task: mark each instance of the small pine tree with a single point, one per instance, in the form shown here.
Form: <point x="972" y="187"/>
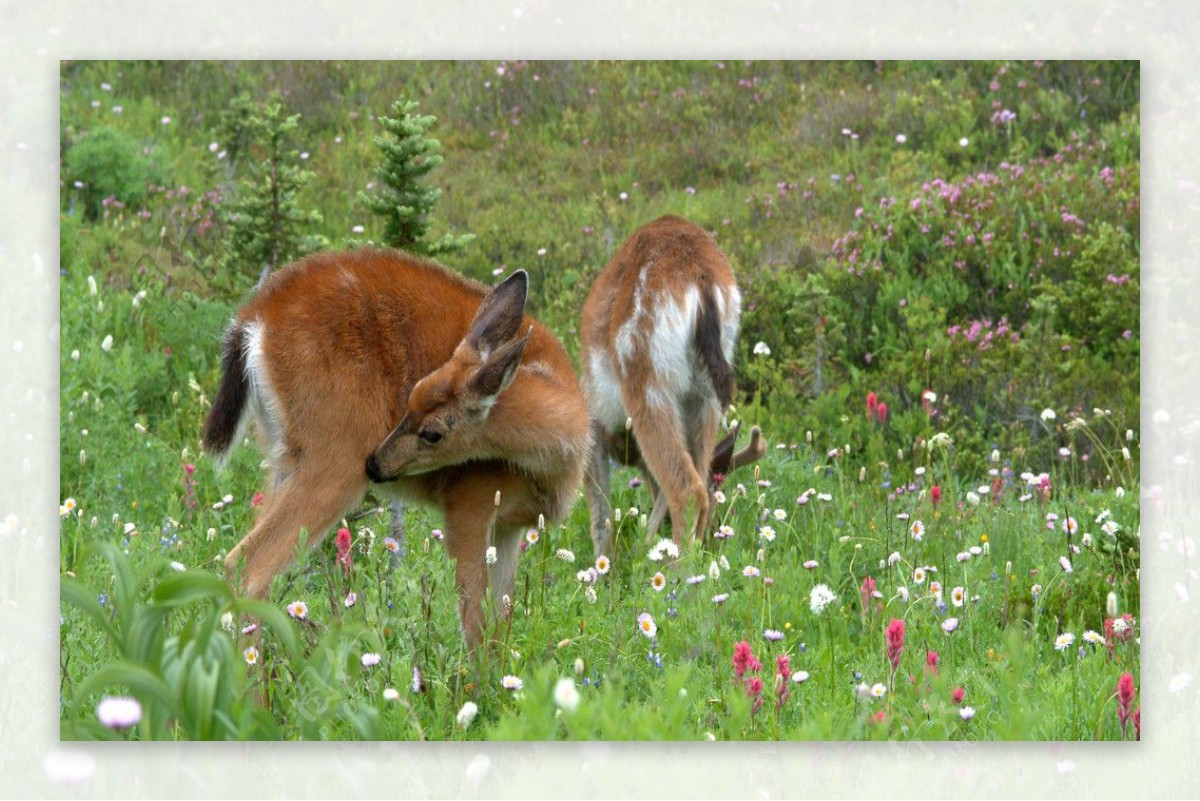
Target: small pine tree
<point x="404" y="201"/>
<point x="266" y="221"/>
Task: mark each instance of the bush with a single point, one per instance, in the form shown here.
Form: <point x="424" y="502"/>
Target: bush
<point x="107" y="166"/>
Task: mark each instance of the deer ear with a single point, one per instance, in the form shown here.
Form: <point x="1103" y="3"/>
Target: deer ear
<point x="499" y="316"/>
<point x="498" y="371"/>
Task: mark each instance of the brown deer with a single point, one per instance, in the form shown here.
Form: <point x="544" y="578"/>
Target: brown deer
<point x="659" y="328"/>
<point x="486" y="419"/>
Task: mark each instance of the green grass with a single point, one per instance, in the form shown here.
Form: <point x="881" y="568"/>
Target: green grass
<point x="135" y="624"/>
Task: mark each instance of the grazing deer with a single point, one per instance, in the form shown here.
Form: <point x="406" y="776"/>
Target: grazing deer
<point x="659" y="328"/>
<point x="486" y="419"/>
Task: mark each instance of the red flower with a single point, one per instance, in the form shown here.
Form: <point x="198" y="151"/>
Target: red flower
<point x="343" y="548"/>
<point x="1125" y="693"/>
<point x="935" y="494"/>
<point x="1137" y="722"/>
<point x="931" y="661"/>
<point x="783" y="672"/>
<point x="895" y="642"/>
<point x="872" y="405"/>
<point x="743" y="659"/>
<point x="881" y="412"/>
<point x="866" y="590"/>
<point x="957" y="697"/>
<point x="257" y="500"/>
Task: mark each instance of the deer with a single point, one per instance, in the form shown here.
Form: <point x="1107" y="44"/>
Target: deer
<point x="373" y="367"/>
<point x="658" y="333"/>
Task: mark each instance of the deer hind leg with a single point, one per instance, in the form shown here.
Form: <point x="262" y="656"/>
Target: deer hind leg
<point x="599" y="471"/>
<point x="703" y="424"/>
<point x="309" y="498"/>
<point x="660" y="436"/>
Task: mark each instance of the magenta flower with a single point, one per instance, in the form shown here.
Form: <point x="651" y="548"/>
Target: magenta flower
<point x="895" y="642"/>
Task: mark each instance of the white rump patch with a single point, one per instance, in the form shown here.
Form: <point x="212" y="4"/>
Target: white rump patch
<point x="671" y="341"/>
<point x="604" y="392"/>
<point x="263" y="399"/>
<point x="624" y="340"/>
<point x="730" y="304"/>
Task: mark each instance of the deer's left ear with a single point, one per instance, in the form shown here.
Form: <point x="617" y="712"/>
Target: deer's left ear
<point x="499" y="316"/>
<point x="498" y="371"/>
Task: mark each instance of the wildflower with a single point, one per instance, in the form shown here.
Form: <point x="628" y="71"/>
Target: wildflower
<point x="532" y="536"/>
<point x="697" y="579"/>
<point x="931" y="661"/>
<point x="902" y="593"/>
<point x="957" y="695"/>
<point x="800" y="676"/>
<point x="298" y="609"/>
<point x="602" y="564"/>
<point x="1110" y="527"/>
<point x="391" y="544"/>
<point x="344" y="554"/>
<point x="1066" y="564"/>
<point x="917" y="529"/>
<point x="750" y="571"/>
<point x="919" y="575"/>
<point x="723" y="532"/>
<point x="470" y="709"/>
<point x="714" y="571"/>
<point x="437" y="534"/>
<point x="720" y="598"/>
<point x="761" y="349"/>
<point x="949" y="625"/>
<point x="958" y="596"/>
<point x="779" y="514"/>
<point x="647" y="625"/>
<point x="510" y="682"/>
<point x="370" y="659"/>
<point x="1070" y="526"/>
<point x="1063" y="641"/>
<point x="811" y="564"/>
<point x="1094" y="637"/>
<point x="774" y="635"/>
<point x="820" y="597"/>
<point x="566" y="695"/>
<point x="1125" y="693"/>
<point x="565" y="554"/>
<point x="767" y="533"/>
<point x="895" y="642"/>
<point x="935" y="494"/>
<point x="658" y="582"/>
<point x="744" y="659"/>
<point x="250" y="655"/>
<point x="967" y="712"/>
<point x="590" y="594"/>
<point x="1035" y="591"/>
<point x="391" y="694"/>
<point x="107" y="344"/>
<point x="351" y="599"/>
<point x="878" y="690"/>
<point x="119" y="712"/>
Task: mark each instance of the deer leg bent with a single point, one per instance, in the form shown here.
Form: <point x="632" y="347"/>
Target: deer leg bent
<point x="310" y="500"/>
<point x="660" y="437"/>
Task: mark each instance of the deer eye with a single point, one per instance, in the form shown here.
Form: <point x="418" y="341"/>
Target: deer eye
<point x="429" y="436"/>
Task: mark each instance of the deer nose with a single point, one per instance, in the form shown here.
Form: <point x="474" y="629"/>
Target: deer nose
<point x="373" y="471"/>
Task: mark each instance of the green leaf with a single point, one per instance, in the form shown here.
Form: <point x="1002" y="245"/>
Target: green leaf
<point x="189" y="587"/>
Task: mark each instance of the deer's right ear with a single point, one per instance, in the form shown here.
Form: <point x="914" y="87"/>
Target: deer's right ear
<point x="499" y="316"/>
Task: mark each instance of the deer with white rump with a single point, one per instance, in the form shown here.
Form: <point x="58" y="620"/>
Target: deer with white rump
<point x="659" y="329"/>
<point x="486" y="419"/>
